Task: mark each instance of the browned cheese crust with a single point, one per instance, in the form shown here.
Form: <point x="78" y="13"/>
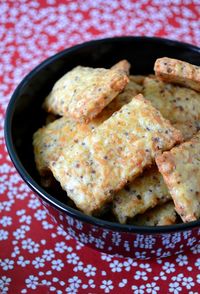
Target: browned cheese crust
<point x="180" y="168"/>
<point x="178" y="72"/>
<point x="116" y="152"/>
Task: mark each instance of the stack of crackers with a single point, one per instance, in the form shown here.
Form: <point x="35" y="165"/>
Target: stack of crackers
<point x="125" y="142"/>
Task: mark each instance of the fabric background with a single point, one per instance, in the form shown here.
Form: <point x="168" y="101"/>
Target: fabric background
<point x="36" y="256"/>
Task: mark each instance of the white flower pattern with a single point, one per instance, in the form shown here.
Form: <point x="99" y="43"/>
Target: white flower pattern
<point x="4" y="284"/>
<point x="182" y="260"/>
<point x="107" y="286"/>
<point x="31" y="243"/>
<point x="32" y="282"/>
<point x="116" y="266"/>
<point x="188" y="282"/>
<point x="169" y="267"/>
<point x="175" y="288"/>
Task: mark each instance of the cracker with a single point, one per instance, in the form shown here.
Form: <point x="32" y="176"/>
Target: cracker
<point x="83" y="92"/>
<point x="162" y="215"/>
<point x="143" y="193"/>
<point x="49" y="140"/>
<point x="178" y="104"/>
<point x="180" y="168"/>
<point x="179" y="72"/>
<point x="122" y="65"/>
<point x="116" y="152"/>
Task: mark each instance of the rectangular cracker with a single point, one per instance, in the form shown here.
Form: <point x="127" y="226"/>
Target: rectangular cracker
<point x="180" y="168"/>
<point x="83" y="92"/>
<point x="163" y="215"/>
<point x="178" y="104"/>
<point x="179" y="72"/>
<point x="146" y="191"/>
<point x="116" y="152"/>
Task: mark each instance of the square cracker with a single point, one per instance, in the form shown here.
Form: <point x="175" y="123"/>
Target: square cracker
<point x="162" y="215"/>
<point x="49" y="140"/>
<point x="83" y="92"/>
<point x="179" y="72"/>
<point x="116" y="152"/>
<point x="146" y="191"/>
<point x="180" y="168"/>
<point x="178" y="104"/>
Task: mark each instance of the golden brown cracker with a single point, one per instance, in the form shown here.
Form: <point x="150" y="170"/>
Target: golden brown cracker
<point x="146" y="191"/>
<point x="179" y="72"/>
<point x="83" y="92"/>
<point x="178" y="104"/>
<point x="180" y="168"/>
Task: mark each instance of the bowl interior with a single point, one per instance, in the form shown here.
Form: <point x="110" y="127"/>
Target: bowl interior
<point x="25" y="115"/>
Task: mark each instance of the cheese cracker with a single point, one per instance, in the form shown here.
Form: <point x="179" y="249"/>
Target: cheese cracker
<point x="83" y="92"/>
<point x="180" y="168"/>
<point x="179" y="72"/>
<point x="143" y="193"/>
<point x="178" y="104"/>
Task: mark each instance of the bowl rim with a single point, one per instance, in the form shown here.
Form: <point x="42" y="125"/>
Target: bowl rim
<point x="50" y="199"/>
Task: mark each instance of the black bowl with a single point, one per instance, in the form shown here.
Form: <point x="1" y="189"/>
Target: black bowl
<point x="24" y="116"/>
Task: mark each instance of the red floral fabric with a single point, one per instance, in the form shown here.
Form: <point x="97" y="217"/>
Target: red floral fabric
<point x="36" y="256"/>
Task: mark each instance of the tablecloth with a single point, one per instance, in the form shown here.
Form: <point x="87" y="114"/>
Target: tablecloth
<point x="36" y="256"/>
